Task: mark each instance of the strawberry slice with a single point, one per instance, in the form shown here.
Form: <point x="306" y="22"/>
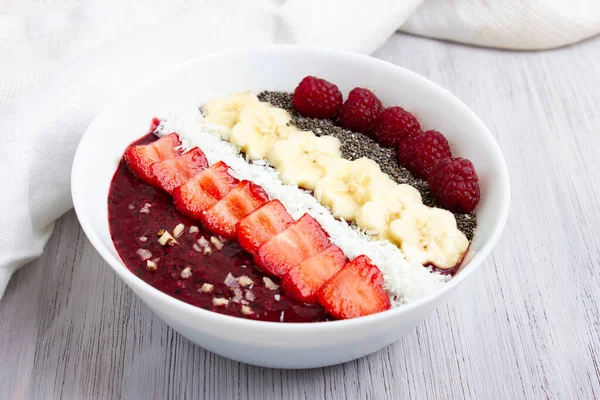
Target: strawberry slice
<point x="261" y="225"/>
<point x="222" y="217"/>
<point x="190" y="199"/>
<point x="305" y="279"/>
<point x="355" y="291"/>
<point x="203" y="190"/>
<point x="139" y="158"/>
<point x="175" y="172"/>
<point x="217" y="181"/>
<point x="299" y="241"/>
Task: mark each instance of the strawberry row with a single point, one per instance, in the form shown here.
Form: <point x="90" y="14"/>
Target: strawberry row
<point x="311" y="268"/>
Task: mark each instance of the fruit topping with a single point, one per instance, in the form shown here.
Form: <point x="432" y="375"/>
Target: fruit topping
<point x="225" y="110"/>
<point x="174" y="172"/>
<point x="303" y="158"/>
<point x="262" y="224"/>
<point x="420" y="153"/>
<point x="190" y="199"/>
<point x="217" y="181"/>
<point x="453" y="182"/>
<point x="204" y="190"/>
<point x="355" y="291"/>
<point x="305" y="279"/>
<point x="359" y="111"/>
<point x="346" y="185"/>
<point x="317" y="98"/>
<point x="259" y="128"/>
<point x="389" y="202"/>
<point x="139" y="158"/>
<point x="429" y="236"/>
<point x="301" y="240"/>
<point x="222" y="217"/>
<point x="394" y="125"/>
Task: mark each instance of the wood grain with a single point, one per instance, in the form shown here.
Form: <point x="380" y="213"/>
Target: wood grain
<point x="527" y="326"/>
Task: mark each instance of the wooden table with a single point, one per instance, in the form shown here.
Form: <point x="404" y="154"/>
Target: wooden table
<point x="527" y="325"/>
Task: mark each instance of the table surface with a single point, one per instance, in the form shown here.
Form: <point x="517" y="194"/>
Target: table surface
<point x="526" y="326"/>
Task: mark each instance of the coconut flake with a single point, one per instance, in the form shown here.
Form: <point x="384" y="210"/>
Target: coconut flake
<point x="247" y="310"/>
<point x="270" y="284"/>
<point x="144" y="254"/>
<point x="206" y="288"/>
<point x="230" y="281"/>
<point x="245" y="281"/>
<point x="143" y="238"/>
<point x="218" y="301"/>
<point x="218" y="243"/>
<point x="250" y="296"/>
<point x="178" y="230"/>
<point x="194" y="229"/>
<point x="237" y="295"/>
<point x="151" y="265"/>
<point x="186" y="273"/>
<point x="277" y="297"/>
<point x="167" y="239"/>
<point x="145" y="209"/>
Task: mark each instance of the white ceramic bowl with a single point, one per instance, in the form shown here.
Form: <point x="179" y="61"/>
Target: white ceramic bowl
<point x="284" y="345"/>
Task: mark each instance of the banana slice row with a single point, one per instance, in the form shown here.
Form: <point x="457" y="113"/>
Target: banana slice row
<point x="353" y="190"/>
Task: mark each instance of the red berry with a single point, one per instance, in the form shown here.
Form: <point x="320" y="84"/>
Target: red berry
<point x="420" y="153"/>
<point x="395" y="125"/>
<point x="360" y="110"/>
<point x="453" y="182"/>
<point x="317" y="98"/>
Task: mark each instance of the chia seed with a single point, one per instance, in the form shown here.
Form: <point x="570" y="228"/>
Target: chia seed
<point x="356" y="145"/>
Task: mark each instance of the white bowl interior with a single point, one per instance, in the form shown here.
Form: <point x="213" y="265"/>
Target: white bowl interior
<point x="281" y="68"/>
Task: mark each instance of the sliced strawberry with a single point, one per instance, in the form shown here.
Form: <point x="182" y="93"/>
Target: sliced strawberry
<point x="217" y="181"/>
<point x="190" y="199"/>
<point x="222" y="217"/>
<point x="355" y="291"/>
<point x="140" y="158"/>
<point x="299" y="241"/>
<point x="204" y="190"/>
<point x="261" y="225"/>
<point x="175" y="172"/>
<point x="305" y="279"/>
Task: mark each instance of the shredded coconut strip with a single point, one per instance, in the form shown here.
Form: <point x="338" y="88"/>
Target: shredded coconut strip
<point x="404" y="281"/>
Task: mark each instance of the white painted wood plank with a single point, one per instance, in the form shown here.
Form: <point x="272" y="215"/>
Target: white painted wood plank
<point x="527" y="325"/>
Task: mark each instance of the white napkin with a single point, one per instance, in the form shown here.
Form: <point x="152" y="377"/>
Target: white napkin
<point x="507" y="24"/>
<point x="40" y="131"/>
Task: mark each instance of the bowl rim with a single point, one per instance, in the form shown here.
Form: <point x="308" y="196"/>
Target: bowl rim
<point x="137" y="283"/>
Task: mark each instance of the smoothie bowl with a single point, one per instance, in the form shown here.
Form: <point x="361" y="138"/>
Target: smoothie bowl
<point x="290" y="207"/>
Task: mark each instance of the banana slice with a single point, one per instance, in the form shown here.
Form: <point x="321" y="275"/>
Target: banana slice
<point x="387" y="202"/>
<point x="429" y="235"/>
<point x="345" y="186"/>
<point x="259" y="128"/>
<point x="303" y="158"/>
<point x="225" y="110"/>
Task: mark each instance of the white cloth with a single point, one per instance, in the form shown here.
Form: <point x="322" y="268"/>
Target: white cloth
<point x="40" y="130"/>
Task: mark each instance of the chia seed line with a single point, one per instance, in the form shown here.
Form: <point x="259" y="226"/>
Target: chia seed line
<point x="356" y="145"/>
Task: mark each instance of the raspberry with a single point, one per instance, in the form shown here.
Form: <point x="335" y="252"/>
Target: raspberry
<point x="394" y="125"/>
<point x="420" y="153"/>
<point x="453" y="182"/>
<point x="360" y="110"/>
<point x="317" y="98"/>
